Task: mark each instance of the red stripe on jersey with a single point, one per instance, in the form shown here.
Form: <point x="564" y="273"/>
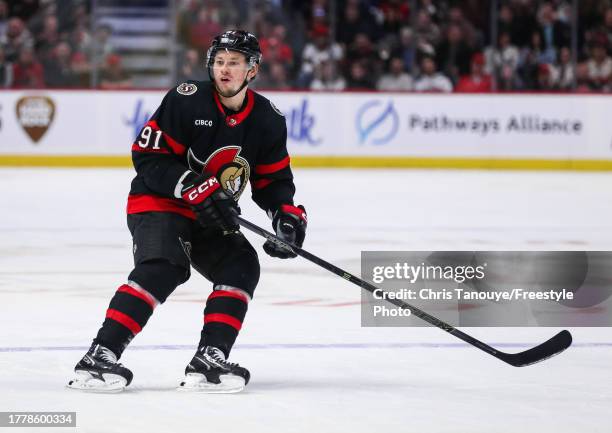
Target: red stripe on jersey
<point x="124" y="319"/>
<point x="137" y="148"/>
<point x="176" y="147"/>
<point x="261" y="183"/>
<point x="228" y="294"/>
<point x="238" y="118"/>
<point x="223" y="318"/>
<point x="218" y="102"/>
<point x="139" y="203"/>
<point x="144" y="295"/>
<point x="271" y="168"/>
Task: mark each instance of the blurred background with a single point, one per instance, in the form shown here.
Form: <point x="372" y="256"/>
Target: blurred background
<point x="333" y="45"/>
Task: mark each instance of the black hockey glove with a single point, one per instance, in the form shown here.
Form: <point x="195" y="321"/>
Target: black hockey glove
<point x="289" y="223"/>
<point x="212" y="205"/>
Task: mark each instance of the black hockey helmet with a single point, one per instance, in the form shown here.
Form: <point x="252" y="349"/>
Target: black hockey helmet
<point x="235" y="40"/>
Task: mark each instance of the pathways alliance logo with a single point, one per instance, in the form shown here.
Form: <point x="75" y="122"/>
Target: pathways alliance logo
<point x="376" y="122"/>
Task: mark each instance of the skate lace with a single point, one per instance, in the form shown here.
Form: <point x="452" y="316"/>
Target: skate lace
<point x="107" y="355"/>
<point x="216" y="356"/>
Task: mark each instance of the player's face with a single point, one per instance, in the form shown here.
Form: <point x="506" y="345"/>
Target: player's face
<point x="230" y="70"/>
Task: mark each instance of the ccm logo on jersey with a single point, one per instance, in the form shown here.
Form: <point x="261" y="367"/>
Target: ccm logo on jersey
<point x="211" y="183"/>
<point x="203" y="122"/>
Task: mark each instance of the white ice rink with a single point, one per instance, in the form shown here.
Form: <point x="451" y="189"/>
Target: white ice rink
<point x="65" y="248"/>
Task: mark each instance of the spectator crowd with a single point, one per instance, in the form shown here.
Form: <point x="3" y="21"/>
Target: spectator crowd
<point x="49" y="43"/>
<point x="333" y="45"/>
<point x="441" y="46"/>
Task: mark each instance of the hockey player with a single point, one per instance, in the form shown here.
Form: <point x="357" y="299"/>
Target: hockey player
<point x="193" y="160"/>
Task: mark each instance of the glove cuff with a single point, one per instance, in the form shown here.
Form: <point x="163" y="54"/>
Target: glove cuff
<point x="297" y="211"/>
<point x="199" y="191"/>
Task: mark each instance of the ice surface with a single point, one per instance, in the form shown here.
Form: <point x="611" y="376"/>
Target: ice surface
<point x="64" y="249"/>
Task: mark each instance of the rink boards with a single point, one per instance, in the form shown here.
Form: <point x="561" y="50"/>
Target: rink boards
<point x="363" y="129"/>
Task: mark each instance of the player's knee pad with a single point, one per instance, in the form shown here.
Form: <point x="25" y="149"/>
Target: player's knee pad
<point x="159" y="277"/>
<point x="240" y="270"/>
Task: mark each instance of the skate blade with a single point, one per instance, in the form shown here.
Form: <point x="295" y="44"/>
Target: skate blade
<point x="84" y="381"/>
<point x="195" y="382"/>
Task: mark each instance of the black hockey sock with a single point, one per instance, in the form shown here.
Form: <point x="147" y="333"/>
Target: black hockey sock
<point x="149" y="285"/>
<point x="223" y="316"/>
<point x="127" y="314"/>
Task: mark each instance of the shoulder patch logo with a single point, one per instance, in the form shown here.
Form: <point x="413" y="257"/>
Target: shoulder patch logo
<point x="187" y="89"/>
<point x="275" y="108"/>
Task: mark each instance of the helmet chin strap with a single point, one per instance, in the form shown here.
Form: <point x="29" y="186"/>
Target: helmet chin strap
<point x="244" y="84"/>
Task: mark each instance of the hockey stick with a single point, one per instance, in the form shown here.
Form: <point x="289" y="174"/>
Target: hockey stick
<point x="551" y="347"/>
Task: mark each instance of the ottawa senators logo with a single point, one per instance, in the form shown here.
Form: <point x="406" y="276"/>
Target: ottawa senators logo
<point x="232" y="170"/>
<point x="187" y="89"/>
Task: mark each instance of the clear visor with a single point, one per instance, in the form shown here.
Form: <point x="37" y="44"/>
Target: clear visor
<point x="249" y="58"/>
<point x="232" y="60"/>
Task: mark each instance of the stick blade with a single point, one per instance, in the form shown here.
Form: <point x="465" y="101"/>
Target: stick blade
<point x="552" y="347"/>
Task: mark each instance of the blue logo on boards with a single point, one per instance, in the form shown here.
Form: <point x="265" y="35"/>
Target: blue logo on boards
<point x="300" y="124"/>
<point x="376" y="123"/>
<point x="139" y="118"/>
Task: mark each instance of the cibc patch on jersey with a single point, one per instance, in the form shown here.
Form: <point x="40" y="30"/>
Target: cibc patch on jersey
<point x="232" y="170"/>
<point x="187" y="89"/>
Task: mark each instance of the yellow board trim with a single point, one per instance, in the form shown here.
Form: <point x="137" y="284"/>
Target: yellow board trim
<point x="332" y="162"/>
<point x="64" y="161"/>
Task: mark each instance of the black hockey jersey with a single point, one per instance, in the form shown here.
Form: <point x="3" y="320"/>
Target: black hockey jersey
<point x="192" y="131"/>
